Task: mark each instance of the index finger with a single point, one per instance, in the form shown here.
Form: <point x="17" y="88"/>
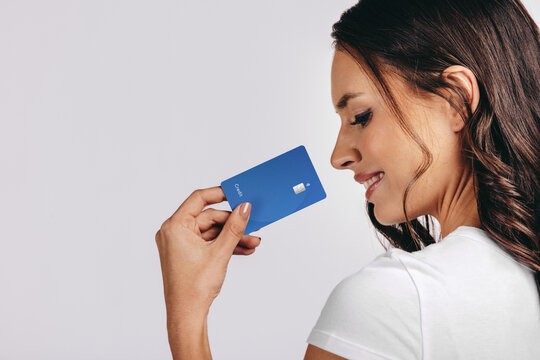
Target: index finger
<point x="198" y="200"/>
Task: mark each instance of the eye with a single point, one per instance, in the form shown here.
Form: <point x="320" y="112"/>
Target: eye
<point x="362" y="118"/>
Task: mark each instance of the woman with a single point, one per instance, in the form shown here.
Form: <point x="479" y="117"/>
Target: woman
<point x="439" y="100"/>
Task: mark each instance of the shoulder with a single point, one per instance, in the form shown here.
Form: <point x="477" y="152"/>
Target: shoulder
<point x="385" y="278"/>
<point x="375" y="309"/>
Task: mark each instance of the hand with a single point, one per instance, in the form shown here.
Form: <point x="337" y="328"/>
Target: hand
<point x="193" y="260"/>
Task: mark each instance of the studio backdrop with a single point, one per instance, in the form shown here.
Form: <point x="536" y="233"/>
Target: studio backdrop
<point x="112" y="112"/>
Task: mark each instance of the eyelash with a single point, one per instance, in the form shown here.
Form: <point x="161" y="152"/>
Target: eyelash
<point x="364" y="118"/>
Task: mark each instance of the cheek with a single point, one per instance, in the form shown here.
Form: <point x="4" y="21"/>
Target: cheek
<point x="391" y="153"/>
<point x="376" y="150"/>
<point x="394" y="154"/>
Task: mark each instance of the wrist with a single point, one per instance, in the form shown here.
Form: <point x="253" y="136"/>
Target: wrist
<point x="188" y="336"/>
<point x="186" y="312"/>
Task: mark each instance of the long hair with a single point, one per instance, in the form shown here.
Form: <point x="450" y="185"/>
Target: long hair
<point x="499" y="42"/>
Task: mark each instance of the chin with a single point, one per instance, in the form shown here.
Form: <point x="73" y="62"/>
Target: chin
<point x="386" y="219"/>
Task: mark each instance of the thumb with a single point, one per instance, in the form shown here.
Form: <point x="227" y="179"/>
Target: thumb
<point x="234" y="227"/>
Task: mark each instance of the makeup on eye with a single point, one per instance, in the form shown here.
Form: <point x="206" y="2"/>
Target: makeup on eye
<point x="362" y="118"/>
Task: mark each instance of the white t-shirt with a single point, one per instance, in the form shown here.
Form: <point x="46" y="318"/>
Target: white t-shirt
<point x="463" y="297"/>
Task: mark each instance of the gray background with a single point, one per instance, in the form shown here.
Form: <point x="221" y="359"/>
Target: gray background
<point x="112" y="113"/>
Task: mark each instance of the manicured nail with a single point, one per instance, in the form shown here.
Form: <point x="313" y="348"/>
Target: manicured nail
<point x="244" y="211"/>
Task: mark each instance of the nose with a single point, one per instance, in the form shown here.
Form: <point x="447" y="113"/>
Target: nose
<point x="344" y="157"/>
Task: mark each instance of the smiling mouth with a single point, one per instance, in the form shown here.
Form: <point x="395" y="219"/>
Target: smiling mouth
<point x="372" y="184"/>
<point x="373" y="179"/>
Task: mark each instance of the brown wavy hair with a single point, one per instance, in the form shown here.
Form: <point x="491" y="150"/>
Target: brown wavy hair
<point x="499" y="42"/>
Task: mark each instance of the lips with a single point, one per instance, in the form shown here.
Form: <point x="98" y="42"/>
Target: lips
<point x="362" y="178"/>
<point x="372" y="188"/>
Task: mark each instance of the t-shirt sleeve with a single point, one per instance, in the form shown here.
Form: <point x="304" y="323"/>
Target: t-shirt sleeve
<point x="373" y="314"/>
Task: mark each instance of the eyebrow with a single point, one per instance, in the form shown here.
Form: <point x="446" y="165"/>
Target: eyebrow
<point x="342" y="103"/>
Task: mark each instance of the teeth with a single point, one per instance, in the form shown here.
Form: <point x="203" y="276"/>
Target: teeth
<point x="368" y="183"/>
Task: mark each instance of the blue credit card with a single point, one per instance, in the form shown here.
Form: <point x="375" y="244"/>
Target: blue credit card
<point x="276" y="188"/>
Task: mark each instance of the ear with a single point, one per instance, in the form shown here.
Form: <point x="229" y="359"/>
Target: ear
<point x="466" y="80"/>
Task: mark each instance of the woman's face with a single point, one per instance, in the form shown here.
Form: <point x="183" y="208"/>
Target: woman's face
<point x="381" y="145"/>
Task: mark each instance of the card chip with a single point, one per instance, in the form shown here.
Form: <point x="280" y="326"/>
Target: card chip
<point x="299" y="188"/>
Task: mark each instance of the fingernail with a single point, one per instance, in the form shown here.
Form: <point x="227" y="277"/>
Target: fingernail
<point x="244" y="211"/>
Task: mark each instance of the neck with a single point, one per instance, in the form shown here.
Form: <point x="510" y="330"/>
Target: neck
<point x="457" y="206"/>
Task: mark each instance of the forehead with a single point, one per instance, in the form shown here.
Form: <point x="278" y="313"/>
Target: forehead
<point x="348" y="76"/>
